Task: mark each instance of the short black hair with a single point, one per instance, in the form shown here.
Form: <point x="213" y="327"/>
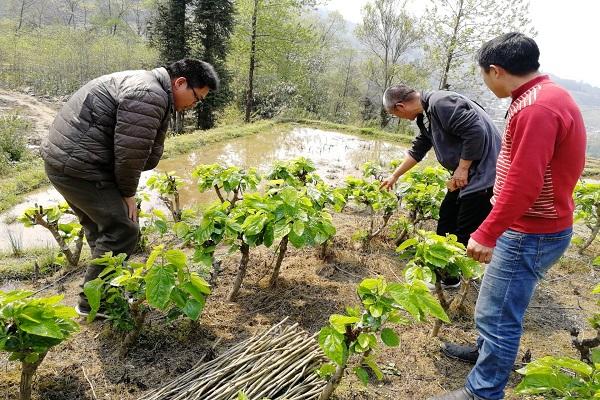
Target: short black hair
<point x="515" y="52"/>
<point x="197" y="73"/>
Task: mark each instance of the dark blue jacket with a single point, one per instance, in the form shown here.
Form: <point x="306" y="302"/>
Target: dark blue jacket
<point x="456" y="128"/>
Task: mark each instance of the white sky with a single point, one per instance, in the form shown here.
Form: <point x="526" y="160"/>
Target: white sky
<point x="568" y="34"/>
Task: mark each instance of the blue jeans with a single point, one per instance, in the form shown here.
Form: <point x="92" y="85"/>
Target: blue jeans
<point x="519" y="261"/>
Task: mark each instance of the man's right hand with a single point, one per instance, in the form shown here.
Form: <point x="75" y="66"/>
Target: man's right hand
<point x="451" y="185"/>
<point x="388" y="183"/>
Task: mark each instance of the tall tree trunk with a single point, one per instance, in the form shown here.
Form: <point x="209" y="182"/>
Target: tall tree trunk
<point x="451" y="48"/>
<point x="21" y="12"/>
<point x="178" y="126"/>
<point x="345" y="91"/>
<point x="250" y="91"/>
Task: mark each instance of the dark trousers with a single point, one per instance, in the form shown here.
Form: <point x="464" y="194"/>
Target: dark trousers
<point x="462" y="216"/>
<point x="102" y="213"/>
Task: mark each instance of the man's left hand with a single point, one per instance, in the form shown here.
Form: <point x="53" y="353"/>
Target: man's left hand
<point x="461" y="177"/>
<point x="479" y="252"/>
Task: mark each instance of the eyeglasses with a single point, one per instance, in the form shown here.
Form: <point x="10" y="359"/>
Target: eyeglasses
<point x="196" y="98"/>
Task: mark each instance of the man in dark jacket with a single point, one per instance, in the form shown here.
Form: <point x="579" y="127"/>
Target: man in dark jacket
<point x="107" y="133"/>
<point x="465" y="141"/>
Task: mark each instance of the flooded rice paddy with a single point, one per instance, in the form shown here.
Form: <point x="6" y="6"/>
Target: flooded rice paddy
<point x="335" y="155"/>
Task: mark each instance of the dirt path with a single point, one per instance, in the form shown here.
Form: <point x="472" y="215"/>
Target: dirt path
<point x="40" y="113"/>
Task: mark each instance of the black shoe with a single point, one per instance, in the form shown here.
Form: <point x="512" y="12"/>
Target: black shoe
<point x="468" y="353"/>
<point x="450" y="283"/>
<point x="83" y="309"/>
<point x="460" y="394"/>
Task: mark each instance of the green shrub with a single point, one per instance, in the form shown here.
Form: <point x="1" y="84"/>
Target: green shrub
<point x="13" y="138"/>
<point x="29" y="327"/>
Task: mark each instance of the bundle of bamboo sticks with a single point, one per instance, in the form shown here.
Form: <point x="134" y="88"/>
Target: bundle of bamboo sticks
<point x="277" y="364"/>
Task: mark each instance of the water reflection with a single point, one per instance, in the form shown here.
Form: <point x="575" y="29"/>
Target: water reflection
<point x="335" y="155"/>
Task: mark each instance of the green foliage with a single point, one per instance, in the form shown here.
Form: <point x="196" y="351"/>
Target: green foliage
<point x="389" y="33"/>
<point x="207" y="234"/>
<point x="372" y="170"/>
<point x="168" y="186"/>
<point x="369" y="194"/>
<point x="561" y="378"/>
<point x="262" y="219"/>
<point x="296" y="172"/>
<point x="51" y="216"/>
<point x="29" y="326"/>
<point x="65" y="233"/>
<point x="213" y="47"/>
<point x="300" y="218"/>
<point x="59" y="59"/>
<point x="285" y="47"/>
<point x="126" y="290"/>
<point x="13" y="139"/>
<point x="595" y="319"/>
<point x="456" y="30"/>
<point x="422" y="192"/>
<point x="234" y="181"/>
<point x="587" y="208"/>
<point x="359" y="331"/>
<point x="380" y="204"/>
<point x="429" y="254"/>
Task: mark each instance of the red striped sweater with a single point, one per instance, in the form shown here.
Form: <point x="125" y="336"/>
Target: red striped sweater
<point x="541" y="159"/>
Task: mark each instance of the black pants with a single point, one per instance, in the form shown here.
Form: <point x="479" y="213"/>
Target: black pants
<point x="102" y="213"/>
<point x="462" y="216"/>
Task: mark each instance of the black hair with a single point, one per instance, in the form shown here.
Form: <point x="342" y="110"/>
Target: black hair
<point x="397" y="94"/>
<point x="515" y="52"/>
<point x="197" y="73"/>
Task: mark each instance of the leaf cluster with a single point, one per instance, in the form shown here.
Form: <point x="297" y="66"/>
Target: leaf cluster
<point x="29" y="326"/>
<point x="422" y="192"/>
<point x="359" y="331"/>
<point x="429" y="253"/>
<point x="50" y="217"/>
<point x="165" y="282"/>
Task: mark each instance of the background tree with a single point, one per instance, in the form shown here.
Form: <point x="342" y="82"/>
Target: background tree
<point x="270" y="46"/>
<point x="457" y="28"/>
<point x="167" y="34"/>
<point x="211" y="28"/>
<point x="389" y="33"/>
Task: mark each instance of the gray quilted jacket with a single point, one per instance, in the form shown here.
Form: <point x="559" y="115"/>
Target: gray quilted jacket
<point x="112" y="129"/>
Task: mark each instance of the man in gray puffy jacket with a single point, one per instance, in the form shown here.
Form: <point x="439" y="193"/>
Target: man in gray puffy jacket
<point x="106" y="134"/>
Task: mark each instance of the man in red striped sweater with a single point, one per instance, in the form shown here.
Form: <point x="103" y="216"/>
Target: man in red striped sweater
<point x="530" y="225"/>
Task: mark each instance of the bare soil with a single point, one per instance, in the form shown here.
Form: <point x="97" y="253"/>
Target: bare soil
<point x="88" y="365"/>
<point x="40" y="112"/>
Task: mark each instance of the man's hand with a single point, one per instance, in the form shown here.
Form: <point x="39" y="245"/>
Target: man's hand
<point x="461" y="177"/>
<point x="131" y="208"/>
<point x="451" y="185"/>
<point x="479" y="252"/>
<point x="389" y="182"/>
